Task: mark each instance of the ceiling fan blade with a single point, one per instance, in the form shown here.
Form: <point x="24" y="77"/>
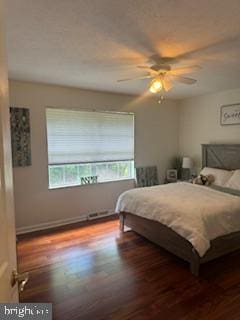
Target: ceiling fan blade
<point x="182" y="79"/>
<point x="183" y="70"/>
<point x="167" y="85"/>
<point x="137" y="78"/>
<point x="143" y="67"/>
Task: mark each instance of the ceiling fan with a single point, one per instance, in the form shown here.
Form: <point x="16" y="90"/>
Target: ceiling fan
<point x="163" y="74"/>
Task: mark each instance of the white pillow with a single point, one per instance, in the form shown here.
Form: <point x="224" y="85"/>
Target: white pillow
<point x="220" y="176"/>
<point x="234" y="181"/>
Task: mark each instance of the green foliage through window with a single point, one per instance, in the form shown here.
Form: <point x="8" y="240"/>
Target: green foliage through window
<point x="71" y="174"/>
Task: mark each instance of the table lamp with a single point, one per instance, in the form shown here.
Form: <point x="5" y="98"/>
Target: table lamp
<point x="187" y="164"/>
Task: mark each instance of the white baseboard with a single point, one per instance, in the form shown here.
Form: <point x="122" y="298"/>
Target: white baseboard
<point x="56" y="223"/>
<point x="49" y="225"/>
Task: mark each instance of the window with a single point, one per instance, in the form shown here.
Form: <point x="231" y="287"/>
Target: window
<point x="89" y="146"/>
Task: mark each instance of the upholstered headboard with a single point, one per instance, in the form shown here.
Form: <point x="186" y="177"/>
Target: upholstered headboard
<point x="222" y="156"/>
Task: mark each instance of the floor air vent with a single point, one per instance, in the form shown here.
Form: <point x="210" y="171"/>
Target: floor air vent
<point x="101" y="214"/>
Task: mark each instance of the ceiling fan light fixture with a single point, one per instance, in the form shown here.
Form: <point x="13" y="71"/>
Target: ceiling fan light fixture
<point x="156" y="85"/>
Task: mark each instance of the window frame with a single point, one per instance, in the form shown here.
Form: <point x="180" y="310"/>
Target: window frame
<point x="90" y="184"/>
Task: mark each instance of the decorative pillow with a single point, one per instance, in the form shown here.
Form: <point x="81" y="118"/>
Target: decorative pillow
<point x="234" y="181"/>
<point x="204" y="180"/>
<point x="220" y="176"/>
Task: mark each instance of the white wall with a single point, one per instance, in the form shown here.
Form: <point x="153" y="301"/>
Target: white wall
<point x="200" y="123"/>
<point x="156" y="142"/>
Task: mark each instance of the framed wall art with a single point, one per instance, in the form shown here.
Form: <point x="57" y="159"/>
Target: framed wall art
<point x="230" y="114"/>
<point x="20" y="137"/>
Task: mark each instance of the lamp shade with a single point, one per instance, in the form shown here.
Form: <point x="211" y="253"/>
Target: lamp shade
<point x="187" y="163"/>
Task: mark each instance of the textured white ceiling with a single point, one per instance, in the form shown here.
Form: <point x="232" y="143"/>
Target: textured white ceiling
<point x="92" y="43"/>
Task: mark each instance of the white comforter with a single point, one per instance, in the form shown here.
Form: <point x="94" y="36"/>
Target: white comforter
<point x="197" y="213"/>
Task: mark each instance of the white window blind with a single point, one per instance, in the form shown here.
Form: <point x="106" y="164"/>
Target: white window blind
<point x="79" y="136"/>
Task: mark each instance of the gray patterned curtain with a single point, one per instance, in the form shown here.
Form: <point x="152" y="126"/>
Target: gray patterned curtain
<point x="147" y="176"/>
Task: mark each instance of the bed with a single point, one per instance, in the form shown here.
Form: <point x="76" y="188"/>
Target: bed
<point x="221" y="156"/>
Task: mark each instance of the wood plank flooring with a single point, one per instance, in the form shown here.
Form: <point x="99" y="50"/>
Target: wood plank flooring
<point x="93" y="272"/>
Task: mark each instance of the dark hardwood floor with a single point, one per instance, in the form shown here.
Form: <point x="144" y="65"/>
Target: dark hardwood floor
<point x="95" y="272"/>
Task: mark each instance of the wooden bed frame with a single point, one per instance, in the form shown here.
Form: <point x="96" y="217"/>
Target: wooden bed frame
<point x="222" y="156"/>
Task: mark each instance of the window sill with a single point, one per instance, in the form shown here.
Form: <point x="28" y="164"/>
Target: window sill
<point x="90" y="184"/>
